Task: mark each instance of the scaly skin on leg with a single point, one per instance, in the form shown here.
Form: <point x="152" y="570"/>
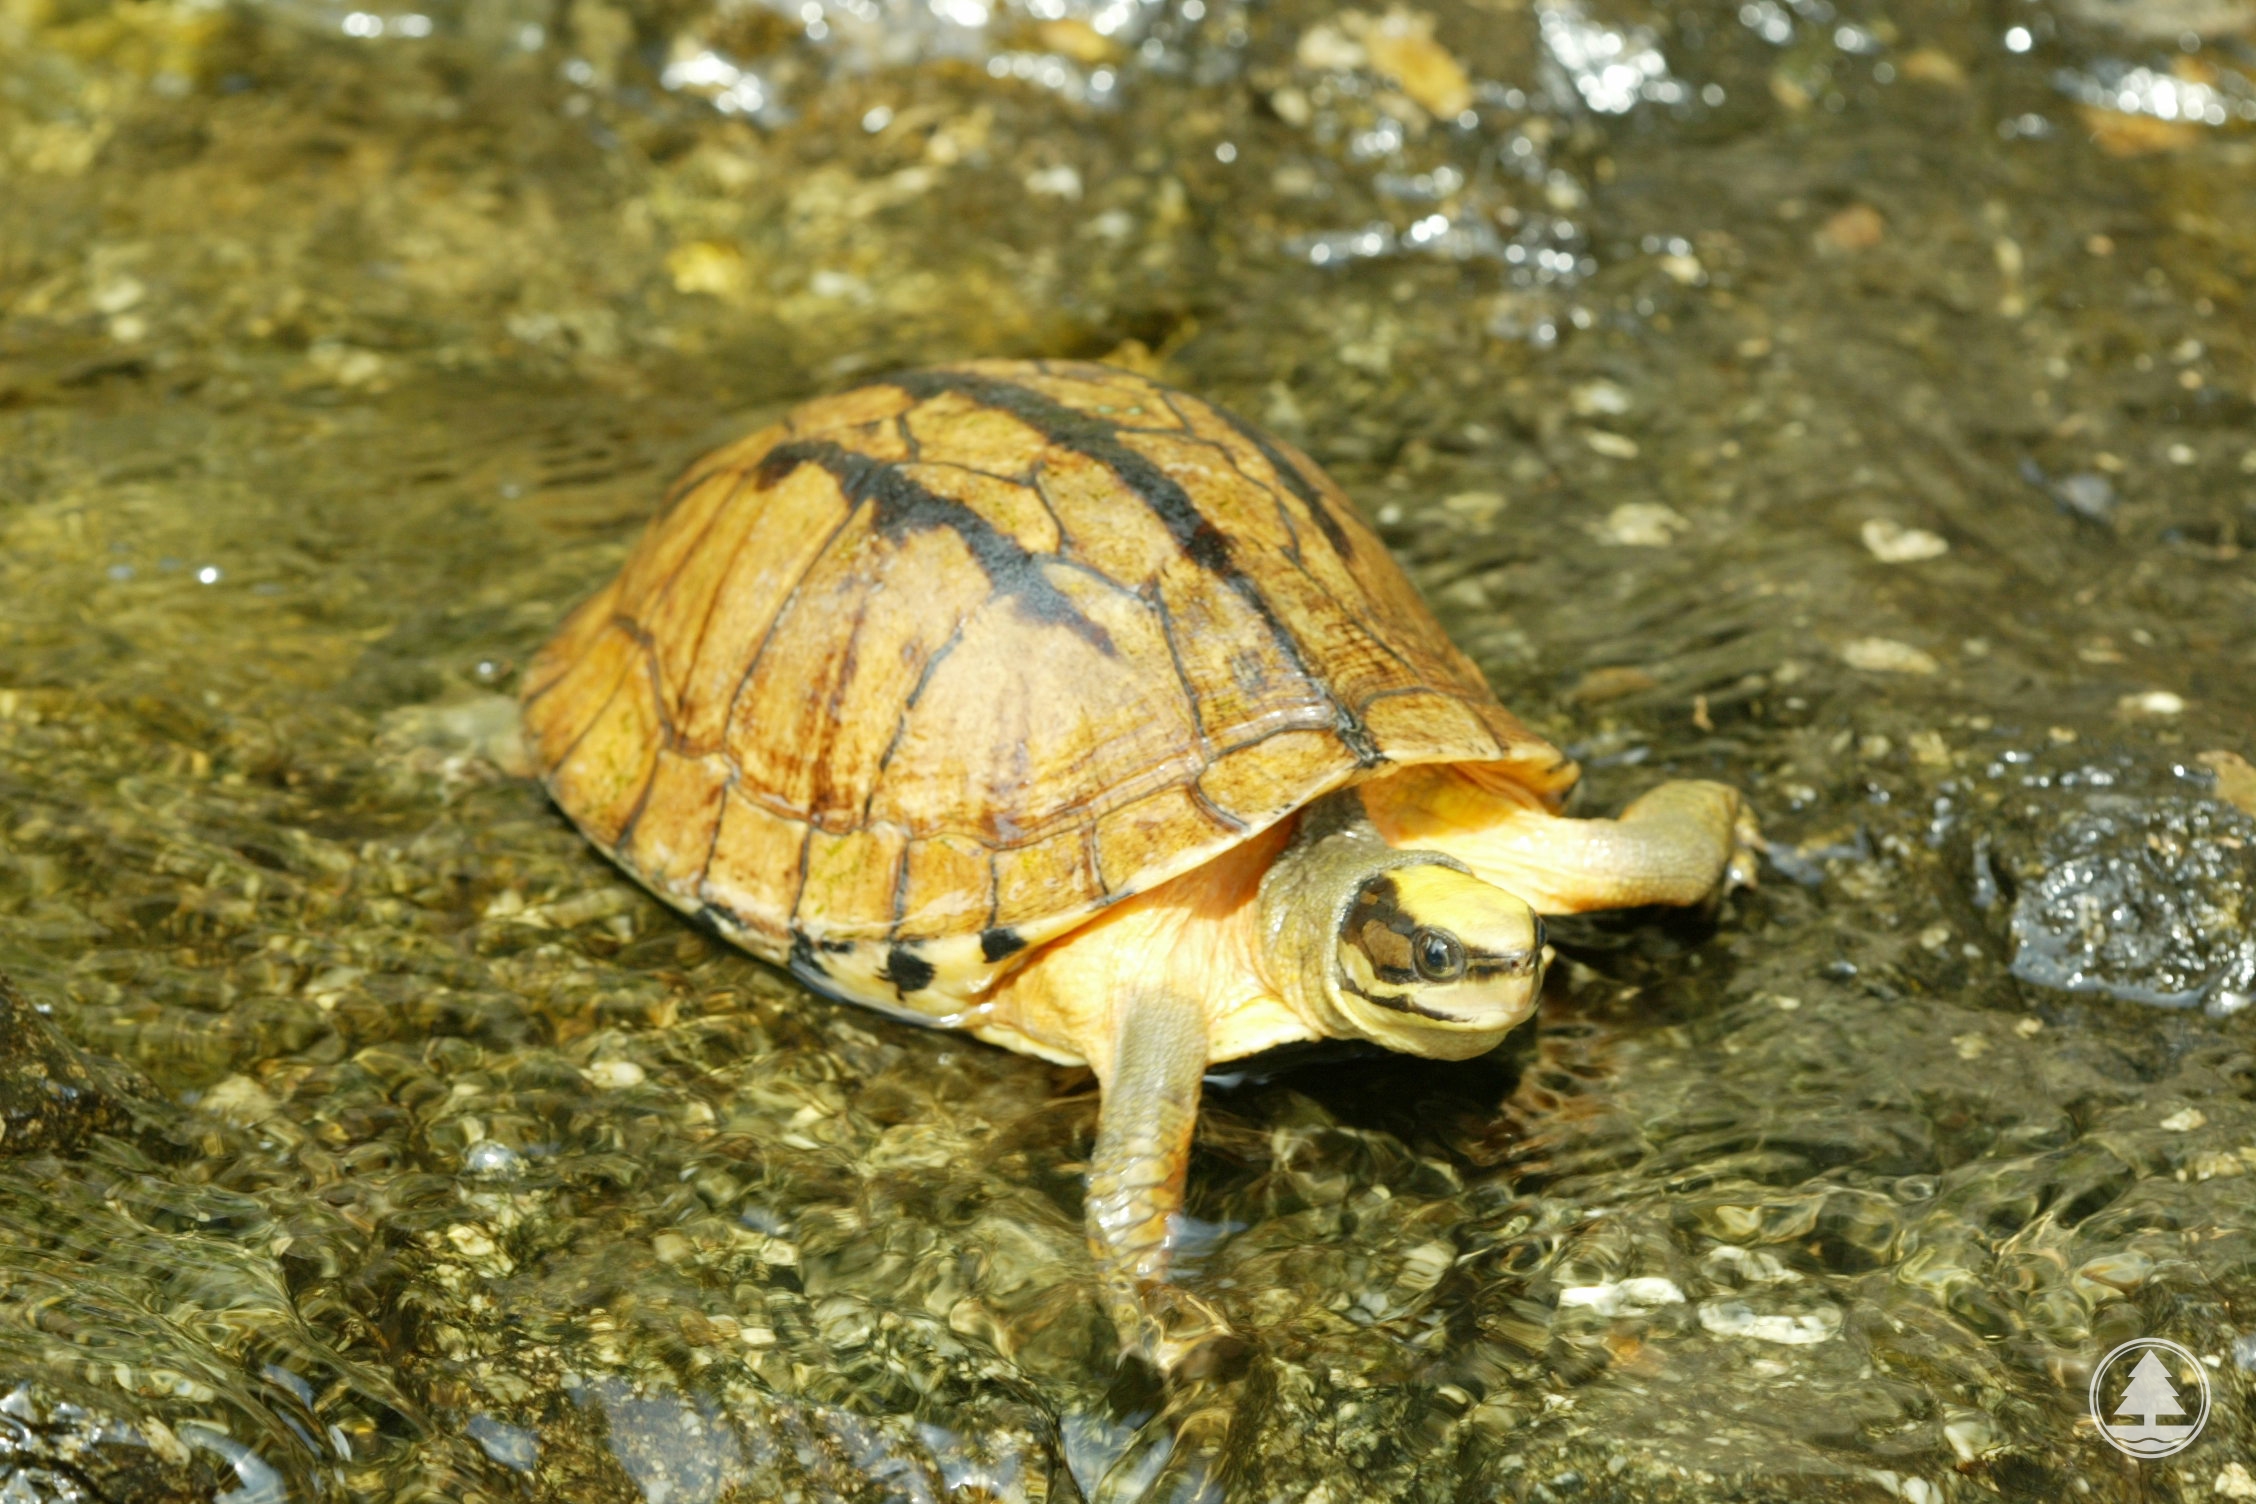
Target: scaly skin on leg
<point x="1136" y="1177"/>
<point x="1680" y="843"/>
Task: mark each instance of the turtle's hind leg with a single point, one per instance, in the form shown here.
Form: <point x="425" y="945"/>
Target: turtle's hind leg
<point x="1135" y="1192"/>
<point x="1680" y="843"/>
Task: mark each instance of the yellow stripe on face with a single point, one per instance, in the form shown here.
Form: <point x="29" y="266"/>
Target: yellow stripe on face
<point x="1492" y="927"/>
<point x="1440" y="898"/>
<point x="1429" y="940"/>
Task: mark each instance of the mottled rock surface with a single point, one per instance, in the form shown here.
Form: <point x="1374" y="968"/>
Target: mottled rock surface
<point x="52" y="1095"/>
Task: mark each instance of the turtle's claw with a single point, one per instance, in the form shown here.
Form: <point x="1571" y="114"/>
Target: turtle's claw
<point x="1748" y="848"/>
<point x="1184" y="1337"/>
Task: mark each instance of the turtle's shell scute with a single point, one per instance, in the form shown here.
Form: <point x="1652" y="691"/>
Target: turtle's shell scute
<point x="935" y="668"/>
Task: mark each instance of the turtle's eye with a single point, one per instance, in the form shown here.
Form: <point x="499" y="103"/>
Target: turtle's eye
<point x="1439" y="956"/>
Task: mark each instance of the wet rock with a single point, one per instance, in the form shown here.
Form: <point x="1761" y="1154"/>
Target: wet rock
<point x="2127" y="136"/>
<point x="1642" y="524"/>
<point x="1401" y="46"/>
<point x="2165" y="20"/>
<point x="1885" y="655"/>
<point x="2086" y="494"/>
<point x="2145" y="899"/>
<point x="52" y="1095"/>
<point x="1736" y="1318"/>
<point x="1859" y="227"/>
<point x="64" y="1451"/>
<point x="1611" y="682"/>
<point x="1891" y="542"/>
<point x="2236" y="780"/>
<point x="1928" y="65"/>
<point x="443" y="739"/>
<point x="2150" y="705"/>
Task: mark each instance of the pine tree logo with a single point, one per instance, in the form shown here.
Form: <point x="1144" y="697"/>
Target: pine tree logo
<point x="2139" y="1397"/>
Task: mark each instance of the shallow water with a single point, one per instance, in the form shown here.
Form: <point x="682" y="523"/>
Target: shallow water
<point x="1849" y="402"/>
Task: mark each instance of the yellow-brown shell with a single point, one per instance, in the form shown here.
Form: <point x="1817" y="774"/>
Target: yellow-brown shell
<point x="933" y="669"/>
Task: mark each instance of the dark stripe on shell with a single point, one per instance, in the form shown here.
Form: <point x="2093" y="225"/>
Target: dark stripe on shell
<point x="907" y="971"/>
<point x="996" y="944"/>
<point x="716" y="922"/>
<point x="1204" y="544"/>
<point x="1319" y="506"/>
<point x="809" y="973"/>
<point x="938" y="656"/>
<point x="903" y="506"/>
<point x="1201" y="541"/>
<point x="804" y="963"/>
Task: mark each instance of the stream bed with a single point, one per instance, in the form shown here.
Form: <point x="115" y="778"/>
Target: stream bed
<point x="1854" y="402"/>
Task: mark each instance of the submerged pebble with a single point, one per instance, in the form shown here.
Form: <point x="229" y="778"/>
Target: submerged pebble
<point x="1891" y="542"/>
<point x="1886" y="655"/>
<point x="1736" y="1318"/>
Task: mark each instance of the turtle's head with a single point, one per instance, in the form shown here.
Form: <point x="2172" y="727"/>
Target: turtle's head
<point x="1404" y="948"/>
<point x="1433" y="961"/>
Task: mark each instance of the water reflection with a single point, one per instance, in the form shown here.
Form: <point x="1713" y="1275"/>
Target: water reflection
<point x="1845" y="400"/>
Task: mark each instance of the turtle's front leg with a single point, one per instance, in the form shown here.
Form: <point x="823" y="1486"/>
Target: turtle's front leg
<point x="1684" y="842"/>
<point x="1151" y="1093"/>
<point x="1680" y="843"/>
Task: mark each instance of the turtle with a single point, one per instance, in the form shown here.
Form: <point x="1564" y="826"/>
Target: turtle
<point x="1040" y="700"/>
